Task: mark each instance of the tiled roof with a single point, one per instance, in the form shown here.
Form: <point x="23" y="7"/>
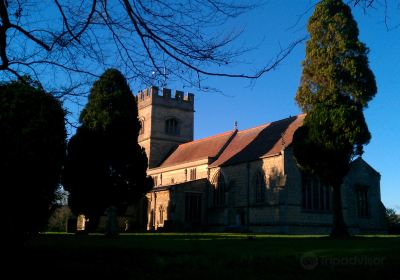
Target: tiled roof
<point x="257" y="142"/>
<point x="234" y="147"/>
<point x="200" y="149"/>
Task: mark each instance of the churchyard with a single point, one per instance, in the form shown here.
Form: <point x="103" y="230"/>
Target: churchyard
<point x="211" y="256"/>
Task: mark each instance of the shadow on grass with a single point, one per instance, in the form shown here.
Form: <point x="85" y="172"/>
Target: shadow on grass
<point x="215" y="256"/>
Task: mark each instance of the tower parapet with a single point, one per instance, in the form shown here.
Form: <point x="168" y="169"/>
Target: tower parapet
<point x="164" y="97"/>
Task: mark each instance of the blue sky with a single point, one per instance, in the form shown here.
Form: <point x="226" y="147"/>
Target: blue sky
<point x="272" y="96"/>
<point x="274" y="25"/>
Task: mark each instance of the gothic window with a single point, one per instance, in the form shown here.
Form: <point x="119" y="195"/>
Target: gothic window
<point x="315" y="195"/>
<point x="193" y="174"/>
<point x="259" y="184"/>
<point x="362" y="202"/>
<point x="219" y="190"/>
<point x="141" y="131"/>
<point x="161" y="210"/>
<point x="172" y="126"/>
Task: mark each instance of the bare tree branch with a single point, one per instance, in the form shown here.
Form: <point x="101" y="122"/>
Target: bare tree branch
<point x="391" y="9"/>
<point x="3" y="35"/>
<point x="86" y="23"/>
<point x="77" y="40"/>
<point x="31" y="37"/>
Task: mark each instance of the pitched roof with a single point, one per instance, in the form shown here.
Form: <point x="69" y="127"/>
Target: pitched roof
<point x="234" y="146"/>
<point x="261" y="141"/>
<point x="199" y="149"/>
<point x="361" y="163"/>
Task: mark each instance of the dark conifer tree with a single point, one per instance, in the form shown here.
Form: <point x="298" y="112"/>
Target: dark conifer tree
<point x="105" y="165"/>
<point x="336" y="85"/>
<point x="32" y="150"/>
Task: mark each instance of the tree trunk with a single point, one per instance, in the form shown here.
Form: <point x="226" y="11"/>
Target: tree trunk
<point x="339" y="229"/>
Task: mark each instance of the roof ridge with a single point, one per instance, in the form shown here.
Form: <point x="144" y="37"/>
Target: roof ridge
<point x="269" y="123"/>
<point x="256" y="132"/>
<point x="255" y="127"/>
<point x="238" y="130"/>
<point x="208" y="137"/>
<point x="213" y="147"/>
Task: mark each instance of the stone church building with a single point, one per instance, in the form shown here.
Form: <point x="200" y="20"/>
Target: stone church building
<point x="241" y="179"/>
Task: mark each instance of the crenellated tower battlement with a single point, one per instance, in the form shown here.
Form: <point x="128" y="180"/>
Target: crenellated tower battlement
<point x="164" y="97"/>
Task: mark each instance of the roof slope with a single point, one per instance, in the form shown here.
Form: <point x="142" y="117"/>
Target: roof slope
<point x="264" y="140"/>
<point x="199" y="149"/>
<point x="234" y="146"/>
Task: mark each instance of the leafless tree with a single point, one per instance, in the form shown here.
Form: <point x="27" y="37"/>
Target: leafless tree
<point x="363" y="3"/>
<point x="65" y="44"/>
<point x="390" y="8"/>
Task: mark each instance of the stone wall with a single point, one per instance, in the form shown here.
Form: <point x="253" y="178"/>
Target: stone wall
<point x="362" y="175"/>
<point x="158" y="200"/>
<point x="241" y="206"/>
<point x="171" y="200"/>
<point x="180" y="173"/>
<point x="282" y="209"/>
<point x="280" y="212"/>
<point x="298" y="220"/>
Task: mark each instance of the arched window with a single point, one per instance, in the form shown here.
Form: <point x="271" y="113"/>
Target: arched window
<point x="141" y="131"/>
<point x="219" y="190"/>
<point x="316" y="196"/>
<point x="259" y="184"/>
<point x="172" y="126"/>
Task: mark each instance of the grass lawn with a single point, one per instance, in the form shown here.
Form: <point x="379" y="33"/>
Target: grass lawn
<point x="211" y="256"/>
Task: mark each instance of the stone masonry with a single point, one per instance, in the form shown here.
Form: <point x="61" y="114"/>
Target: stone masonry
<point x="242" y="180"/>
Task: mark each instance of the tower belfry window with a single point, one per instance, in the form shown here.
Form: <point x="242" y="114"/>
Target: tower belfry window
<point x="172" y="126"/>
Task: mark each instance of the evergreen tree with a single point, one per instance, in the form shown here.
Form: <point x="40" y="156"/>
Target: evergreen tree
<point x="336" y="85"/>
<point x="105" y="165"/>
<point x="32" y="149"/>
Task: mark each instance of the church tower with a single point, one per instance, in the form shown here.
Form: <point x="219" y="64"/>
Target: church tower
<point x="166" y="120"/>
